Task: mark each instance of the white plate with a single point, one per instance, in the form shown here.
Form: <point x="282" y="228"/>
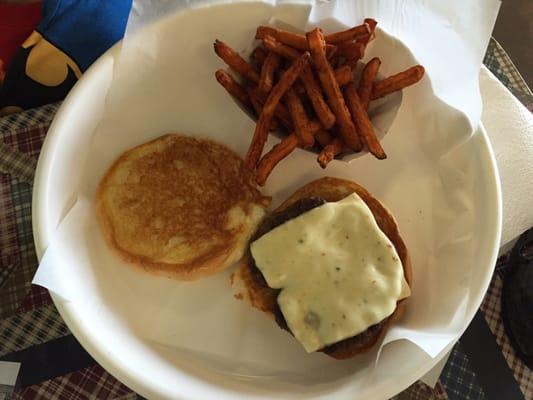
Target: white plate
<point x="159" y="371"/>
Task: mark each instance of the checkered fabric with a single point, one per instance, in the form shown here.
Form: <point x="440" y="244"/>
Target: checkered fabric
<point x="459" y="379"/>
<point x="29" y="320"/>
<point x="89" y="383"/>
<point x="34" y="327"/>
<point x="421" y="391"/>
<point x="491" y="309"/>
<point x="33" y="117"/>
<point x="37" y="297"/>
<point x="497" y="60"/>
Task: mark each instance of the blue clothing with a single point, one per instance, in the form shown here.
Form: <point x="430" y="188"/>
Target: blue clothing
<point x="73" y="34"/>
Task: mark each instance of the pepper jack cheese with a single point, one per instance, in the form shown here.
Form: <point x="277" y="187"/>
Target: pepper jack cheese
<point x="338" y="272"/>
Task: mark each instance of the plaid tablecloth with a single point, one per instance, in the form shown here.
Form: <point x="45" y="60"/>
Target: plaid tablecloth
<point x="55" y="366"/>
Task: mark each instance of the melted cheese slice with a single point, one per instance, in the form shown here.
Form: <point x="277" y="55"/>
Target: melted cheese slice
<point x="337" y="271"/>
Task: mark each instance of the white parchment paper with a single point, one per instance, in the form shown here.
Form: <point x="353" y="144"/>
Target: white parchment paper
<point x="164" y="82"/>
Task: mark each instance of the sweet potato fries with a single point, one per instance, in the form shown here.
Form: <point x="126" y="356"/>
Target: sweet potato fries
<point x="303" y="84"/>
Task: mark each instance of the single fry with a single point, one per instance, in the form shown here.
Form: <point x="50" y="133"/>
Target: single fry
<point x="269" y="107"/>
<point x="275" y="46"/>
<point x="331" y="51"/>
<point x="343" y="75"/>
<point x="266" y="79"/>
<point x="350" y="50"/>
<point x="336" y="62"/>
<point x="323" y="137"/>
<point x="299" y="119"/>
<point x="330" y="151"/>
<point x="332" y="90"/>
<point x="282" y="114"/>
<point x="362" y="121"/>
<point x="284" y="148"/>
<point x="396" y="82"/>
<point x="258" y="57"/>
<point x="258" y="107"/>
<point x="299" y="88"/>
<point x="289" y="38"/>
<point x="368" y="75"/>
<point x="274" y="156"/>
<point x="315" y="125"/>
<point x="314" y="92"/>
<point x="372" y="27"/>
<point x="232" y="87"/>
<point x="349" y="34"/>
<point x="235" y="61"/>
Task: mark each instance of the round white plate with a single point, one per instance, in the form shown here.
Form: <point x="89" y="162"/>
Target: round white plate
<point x="157" y="370"/>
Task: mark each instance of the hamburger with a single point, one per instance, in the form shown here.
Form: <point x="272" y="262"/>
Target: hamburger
<point x="329" y="266"/>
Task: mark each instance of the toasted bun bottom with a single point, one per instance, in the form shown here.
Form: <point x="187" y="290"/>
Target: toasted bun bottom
<point x="248" y="287"/>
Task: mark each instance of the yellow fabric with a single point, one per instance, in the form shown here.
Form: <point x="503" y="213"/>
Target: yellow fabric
<point x="46" y="63"/>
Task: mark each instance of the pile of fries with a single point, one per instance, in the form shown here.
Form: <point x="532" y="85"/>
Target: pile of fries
<point x="303" y="85"/>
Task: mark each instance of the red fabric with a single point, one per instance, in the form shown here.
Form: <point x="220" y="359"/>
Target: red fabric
<point x="17" y="21"/>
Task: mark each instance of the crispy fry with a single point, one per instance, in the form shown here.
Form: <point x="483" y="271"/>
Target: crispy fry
<point x="299" y="119"/>
<point x="311" y="86"/>
<point x="285" y="51"/>
<point x="274" y="156"/>
<point x="269" y="108"/>
<point x="266" y="79"/>
<point x="314" y="92"/>
<point x="350" y="50"/>
<point x="291" y="53"/>
<point x="235" y="61"/>
<point x="362" y="121"/>
<point x="343" y="75"/>
<point x="323" y="137"/>
<point x="352" y="63"/>
<point x="258" y="57"/>
<point x="311" y="70"/>
<point x="299" y="88"/>
<point x="372" y="27"/>
<point x="289" y="38"/>
<point x="349" y="34"/>
<point x="233" y="87"/>
<point x="396" y="82"/>
<point x="368" y="75"/>
<point x="258" y="107"/>
<point x="371" y="22"/>
<point x="331" y="51"/>
<point x="330" y="151"/>
<point x="336" y="62"/>
<point x="315" y="125"/>
<point x="281" y="112"/>
<point x="332" y="90"/>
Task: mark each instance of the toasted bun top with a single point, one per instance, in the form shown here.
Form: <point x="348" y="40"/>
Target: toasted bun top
<point x="249" y="284"/>
<point x="179" y="206"/>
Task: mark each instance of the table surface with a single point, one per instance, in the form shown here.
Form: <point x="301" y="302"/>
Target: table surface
<point x="55" y="366"/>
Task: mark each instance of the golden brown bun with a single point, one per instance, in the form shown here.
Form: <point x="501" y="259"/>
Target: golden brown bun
<point x="179" y="206"/>
<point x="261" y="296"/>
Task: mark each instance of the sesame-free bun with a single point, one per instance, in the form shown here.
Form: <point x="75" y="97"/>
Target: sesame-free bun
<point x="179" y="206"/>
